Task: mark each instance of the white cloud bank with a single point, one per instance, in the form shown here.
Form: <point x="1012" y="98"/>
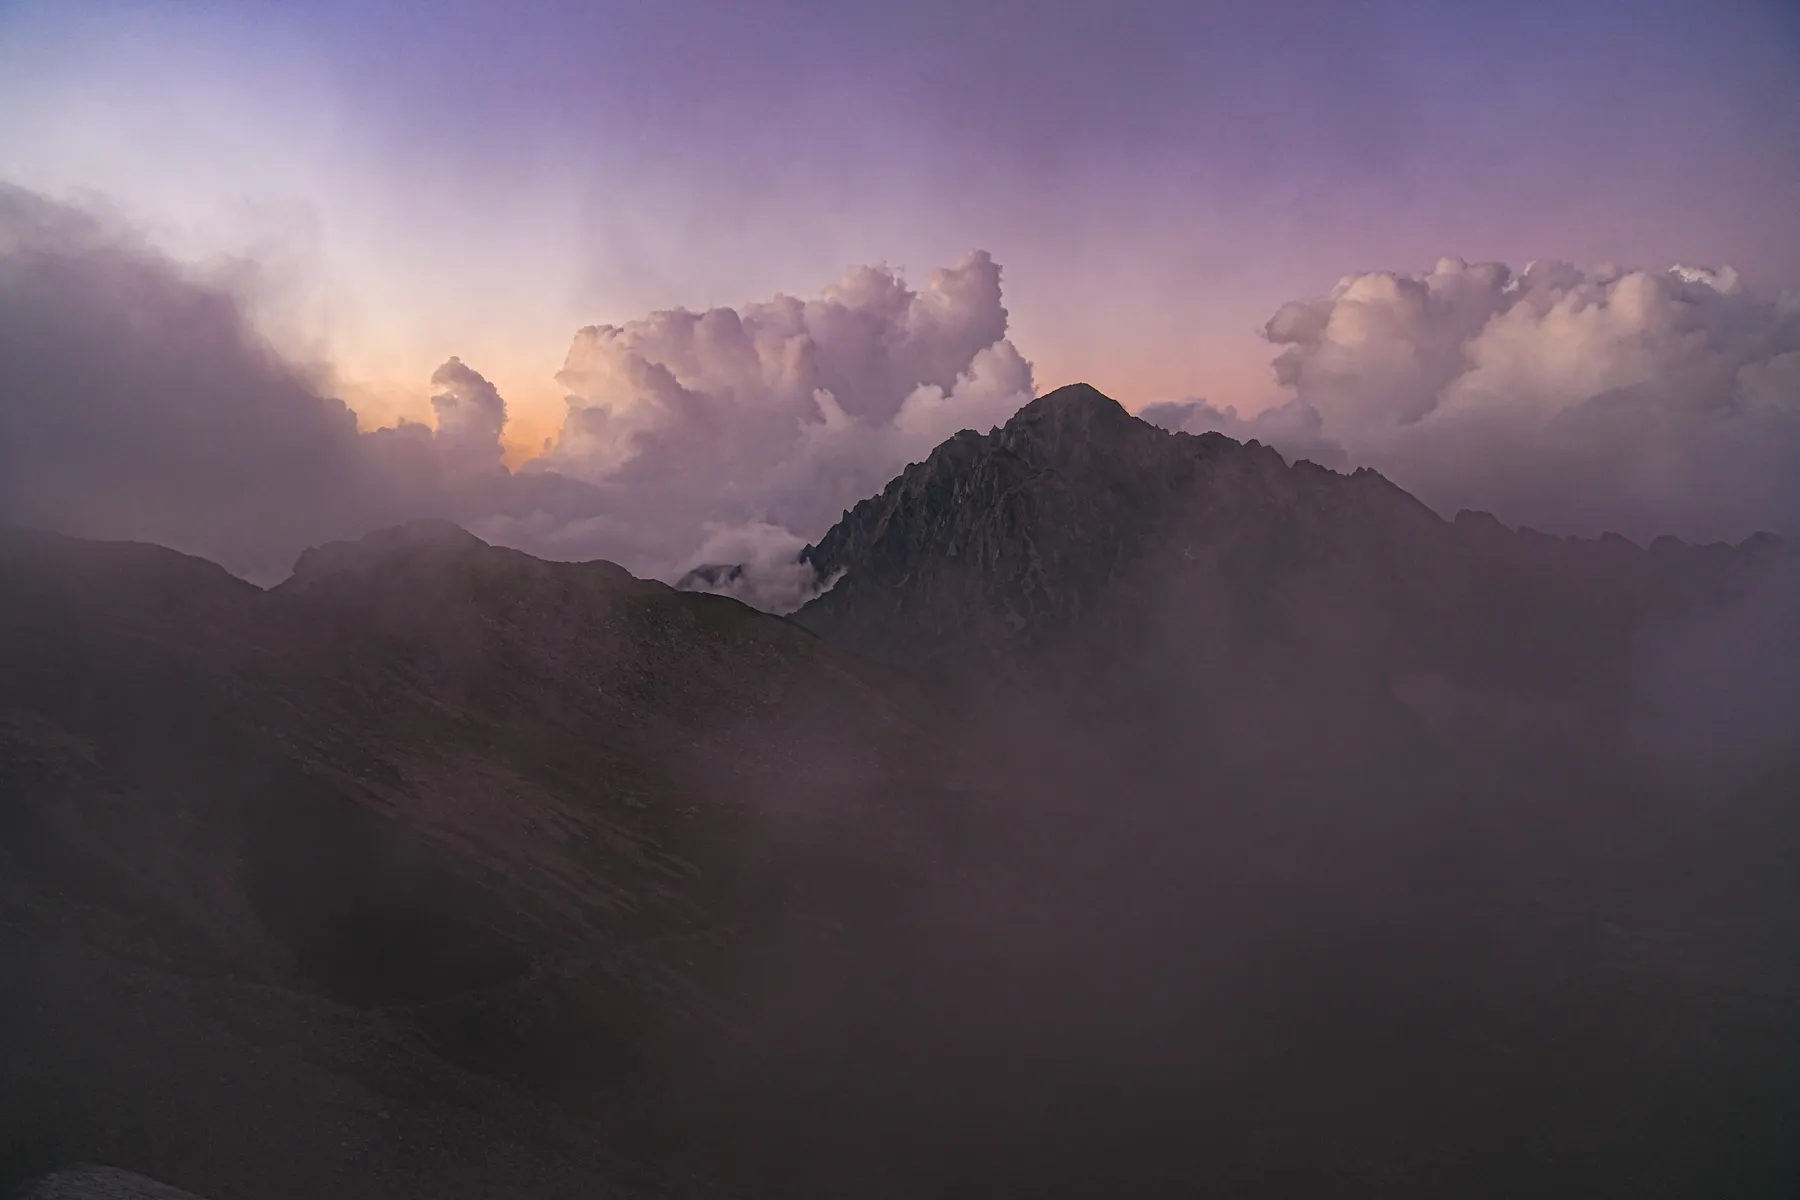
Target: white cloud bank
<point x="137" y="401"/>
<point x="1573" y="401"/>
<point x="763" y="424"/>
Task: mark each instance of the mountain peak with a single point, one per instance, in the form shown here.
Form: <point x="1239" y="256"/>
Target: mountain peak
<point x="1078" y="406"/>
<point x="425" y="538"/>
<point x="1080" y="428"/>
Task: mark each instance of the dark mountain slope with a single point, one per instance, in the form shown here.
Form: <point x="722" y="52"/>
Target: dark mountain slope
<point x="1077" y="531"/>
<point x="1371" y="775"/>
<point x="1256" y="832"/>
<point x="429" y="679"/>
<point x="545" y="816"/>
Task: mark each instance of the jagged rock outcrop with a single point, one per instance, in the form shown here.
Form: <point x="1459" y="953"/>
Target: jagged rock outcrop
<point x="1077" y="530"/>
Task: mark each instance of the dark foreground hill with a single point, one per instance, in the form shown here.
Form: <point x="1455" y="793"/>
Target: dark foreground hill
<point x="428" y="806"/>
<point x="1146" y="816"/>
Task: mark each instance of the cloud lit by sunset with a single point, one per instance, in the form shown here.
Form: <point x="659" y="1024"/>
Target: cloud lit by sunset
<point x="1222" y="223"/>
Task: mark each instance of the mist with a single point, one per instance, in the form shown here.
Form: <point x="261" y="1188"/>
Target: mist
<point x="1111" y="810"/>
<point x="1720" y="690"/>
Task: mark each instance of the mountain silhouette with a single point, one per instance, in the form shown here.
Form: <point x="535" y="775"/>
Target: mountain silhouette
<point x="1076" y="516"/>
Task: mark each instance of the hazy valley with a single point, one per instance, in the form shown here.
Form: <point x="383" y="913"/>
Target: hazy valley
<point x="1131" y="813"/>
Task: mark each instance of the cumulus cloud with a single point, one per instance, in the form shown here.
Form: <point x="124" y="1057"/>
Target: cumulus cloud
<point x="470" y="416"/>
<point x="731" y="437"/>
<point x="1571" y="400"/>
<point x="138" y="403"/>
<point x="137" y="400"/>
<point x="785" y="413"/>
<point x="758" y="563"/>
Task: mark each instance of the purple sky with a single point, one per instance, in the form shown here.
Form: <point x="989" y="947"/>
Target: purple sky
<point x="1155" y="179"/>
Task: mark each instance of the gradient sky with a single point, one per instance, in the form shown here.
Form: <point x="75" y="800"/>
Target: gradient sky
<point x="1155" y="179"/>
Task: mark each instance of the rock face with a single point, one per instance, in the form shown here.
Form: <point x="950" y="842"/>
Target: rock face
<point x="1081" y="537"/>
<point x="101" y="1183"/>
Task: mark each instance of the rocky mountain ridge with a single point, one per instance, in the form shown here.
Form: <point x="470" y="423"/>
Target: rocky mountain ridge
<point x="1076" y="525"/>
